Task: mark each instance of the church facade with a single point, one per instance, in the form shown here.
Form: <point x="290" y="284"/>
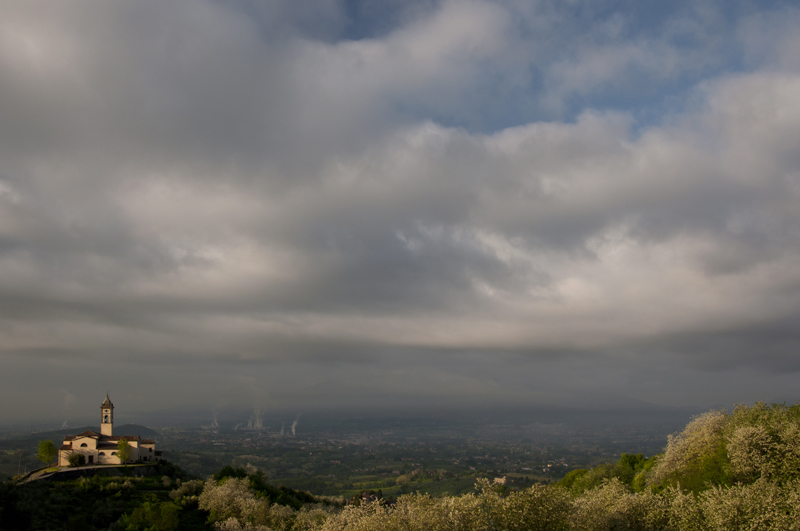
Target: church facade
<point x="101" y="448"/>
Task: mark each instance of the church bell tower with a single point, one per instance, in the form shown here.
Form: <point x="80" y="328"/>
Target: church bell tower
<point x="106" y="417"/>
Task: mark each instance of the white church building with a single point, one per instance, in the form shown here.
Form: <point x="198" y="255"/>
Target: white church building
<point x="101" y="448"/>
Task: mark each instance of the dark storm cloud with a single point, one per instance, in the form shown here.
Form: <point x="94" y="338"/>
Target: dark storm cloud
<point x="443" y="202"/>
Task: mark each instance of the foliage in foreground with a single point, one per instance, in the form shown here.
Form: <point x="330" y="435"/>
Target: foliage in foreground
<point x="738" y="471"/>
<point x="100" y="502"/>
<point x="732" y="472"/>
<point x="758" y="443"/>
<point x="762" y="505"/>
<point x="169" y="500"/>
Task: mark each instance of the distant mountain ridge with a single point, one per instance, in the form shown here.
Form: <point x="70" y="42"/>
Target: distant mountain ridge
<point x="31" y="442"/>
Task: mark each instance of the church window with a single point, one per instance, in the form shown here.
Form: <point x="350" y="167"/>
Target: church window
<point x="102" y="453"/>
<point x="84" y="445"/>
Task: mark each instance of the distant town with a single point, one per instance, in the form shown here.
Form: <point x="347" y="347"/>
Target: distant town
<point x="341" y="457"/>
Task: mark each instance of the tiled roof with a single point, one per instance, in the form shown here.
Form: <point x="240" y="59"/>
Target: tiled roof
<point x="106" y="446"/>
<point x="148" y="441"/>
<point x="121" y="438"/>
<point x="102" y="438"/>
<point x="66" y="447"/>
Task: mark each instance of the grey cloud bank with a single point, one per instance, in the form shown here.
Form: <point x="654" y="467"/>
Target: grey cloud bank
<point x="441" y="204"/>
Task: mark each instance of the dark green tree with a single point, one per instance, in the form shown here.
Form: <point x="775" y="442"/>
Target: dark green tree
<point x="151" y="517"/>
<point x="76" y="459"/>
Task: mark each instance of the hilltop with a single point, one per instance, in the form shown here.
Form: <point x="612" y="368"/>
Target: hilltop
<point x="11" y="462"/>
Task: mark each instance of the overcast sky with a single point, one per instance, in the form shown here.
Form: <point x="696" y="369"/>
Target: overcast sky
<point x="292" y="205"/>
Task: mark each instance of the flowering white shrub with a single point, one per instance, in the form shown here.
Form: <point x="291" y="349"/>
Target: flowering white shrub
<point x="232" y="524"/>
<point x="752" y="452"/>
<point x="765" y="444"/>
<point x="789" y="458"/>
<point x="187" y="491"/>
<point x="538" y="507"/>
<point x="310" y="518"/>
<point x="696" y="450"/>
<point x="614" y="506"/>
<point x="685" y="513"/>
<point x="418" y="512"/>
<point x="464" y="513"/>
<point x="233" y="503"/>
<point x="760" y="506"/>
<point x="359" y="518"/>
<point x="231" y="499"/>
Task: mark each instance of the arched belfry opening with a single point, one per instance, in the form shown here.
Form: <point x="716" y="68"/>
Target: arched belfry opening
<point x="107" y="417"/>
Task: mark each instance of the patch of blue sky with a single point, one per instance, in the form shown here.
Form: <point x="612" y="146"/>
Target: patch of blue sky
<point x="497" y="106"/>
<point x="701" y="36"/>
<point x="374" y="19"/>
